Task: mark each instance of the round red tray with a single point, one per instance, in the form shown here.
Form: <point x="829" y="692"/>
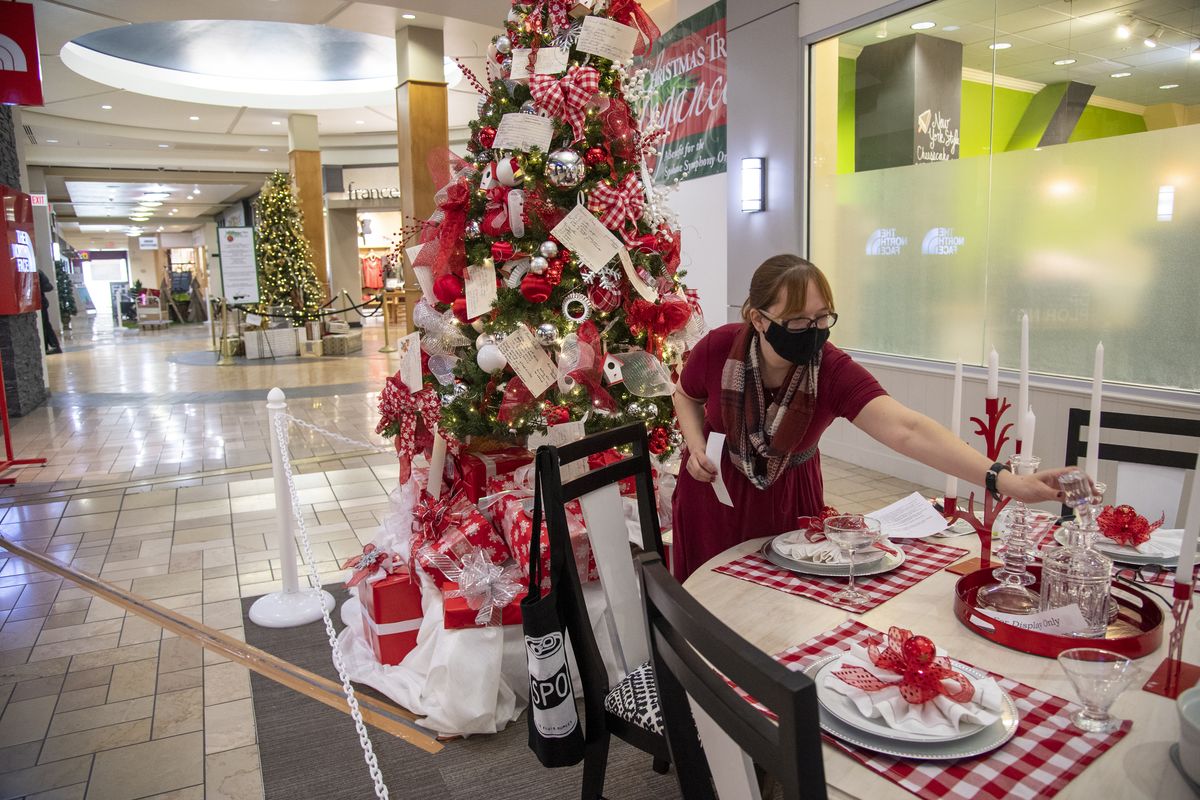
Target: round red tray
<point x="1136" y="632"/>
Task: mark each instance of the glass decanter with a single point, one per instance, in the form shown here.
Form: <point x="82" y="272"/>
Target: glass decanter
<point x="1077" y="573"/>
<point x="1012" y="594"/>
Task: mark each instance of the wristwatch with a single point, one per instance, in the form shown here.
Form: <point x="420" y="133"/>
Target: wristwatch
<point x="990" y="479"/>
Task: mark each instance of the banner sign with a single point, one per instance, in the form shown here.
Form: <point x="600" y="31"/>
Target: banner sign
<point x="687" y="96"/>
<point x="239" y="271"/>
<point x="20" y="64"/>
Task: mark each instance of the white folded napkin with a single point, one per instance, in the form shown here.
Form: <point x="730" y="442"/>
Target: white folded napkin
<point x="940" y="716"/>
<point x="1163" y="543"/>
<point x="795" y="546"/>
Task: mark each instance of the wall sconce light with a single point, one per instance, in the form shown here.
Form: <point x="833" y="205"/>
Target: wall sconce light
<point x="753" y="179"/>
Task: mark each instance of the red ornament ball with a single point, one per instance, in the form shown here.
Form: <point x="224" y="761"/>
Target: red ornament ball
<point x="487" y="136"/>
<point x="448" y="288"/>
<point x="557" y="415"/>
<point x="595" y="156"/>
<point x="553" y="273"/>
<point x="919" y="649"/>
<point x="660" y="440"/>
<point x="502" y="251"/>
<point x="535" y="288"/>
<point x="604" y="300"/>
<point x="459" y="307"/>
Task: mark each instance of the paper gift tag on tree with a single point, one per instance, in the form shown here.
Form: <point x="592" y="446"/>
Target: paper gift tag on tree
<point x="410" y="361"/>
<point x="582" y="233"/>
<point x="523" y="132"/>
<point x="549" y="61"/>
<point x="607" y="39"/>
<point x="527" y="358"/>
<point x="481" y="288"/>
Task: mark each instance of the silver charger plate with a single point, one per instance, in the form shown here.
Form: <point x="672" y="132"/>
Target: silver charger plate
<point x="983" y="741"/>
<point x="844" y="709"/>
<point x="861" y="559"/>
<point x="890" y="560"/>
<point x="1120" y="555"/>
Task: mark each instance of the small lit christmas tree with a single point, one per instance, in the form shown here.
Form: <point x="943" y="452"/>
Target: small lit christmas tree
<point x="614" y="329"/>
<point x="65" y="292"/>
<point x="286" y="278"/>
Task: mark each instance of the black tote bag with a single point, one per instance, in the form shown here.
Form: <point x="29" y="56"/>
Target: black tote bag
<point x="555" y="734"/>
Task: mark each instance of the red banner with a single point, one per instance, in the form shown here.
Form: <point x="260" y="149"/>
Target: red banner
<point x="20" y="64"/>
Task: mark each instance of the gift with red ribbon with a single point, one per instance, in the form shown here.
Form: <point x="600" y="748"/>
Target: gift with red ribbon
<point x="1125" y="526"/>
<point x="922" y="673"/>
<point x="391" y="613"/>
<point x="566" y="97"/>
<point x="627" y="486"/>
<point x="631" y="13"/>
<point x="365" y="565"/>
<point x="451" y="526"/>
<point x="618" y="205"/>
<point x="475" y="468"/>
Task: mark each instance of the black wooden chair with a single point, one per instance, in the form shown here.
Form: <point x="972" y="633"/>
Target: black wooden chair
<point x="1079" y="418"/>
<point x="692" y="653"/>
<point x="624" y="704"/>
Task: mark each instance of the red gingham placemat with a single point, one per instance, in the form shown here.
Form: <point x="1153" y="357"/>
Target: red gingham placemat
<point x="1044" y="756"/>
<point x="921" y="560"/>
<point x="1164" y="578"/>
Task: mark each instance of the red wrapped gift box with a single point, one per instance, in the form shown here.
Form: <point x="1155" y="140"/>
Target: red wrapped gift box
<point x="475" y="470"/>
<point x="457" y="614"/>
<point x="391" y="614"/>
<point x="459" y="530"/>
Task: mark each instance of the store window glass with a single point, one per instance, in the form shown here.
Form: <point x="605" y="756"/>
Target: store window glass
<point x="973" y="159"/>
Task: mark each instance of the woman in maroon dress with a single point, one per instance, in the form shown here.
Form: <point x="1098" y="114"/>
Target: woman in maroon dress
<point x="772" y="384"/>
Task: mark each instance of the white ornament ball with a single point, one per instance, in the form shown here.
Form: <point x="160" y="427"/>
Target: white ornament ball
<point x="538" y="265"/>
<point x="484" y="339"/>
<point x="548" y="249"/>
<point x="565" y="169"/>
<point x="546" y="334"/>
<point x="508" y="172"/>
<point x="490" y="359"/>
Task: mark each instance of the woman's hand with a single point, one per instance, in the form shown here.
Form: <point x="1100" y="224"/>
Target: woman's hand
<point x="700" y="467"/>
<point x="1040" y="487"/>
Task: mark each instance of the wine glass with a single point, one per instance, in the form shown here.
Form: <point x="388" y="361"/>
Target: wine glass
<point x="1098" y="676"/>
<point x="852" y="533"/>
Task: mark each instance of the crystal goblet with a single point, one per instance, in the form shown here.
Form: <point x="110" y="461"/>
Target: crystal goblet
<point x="1099" y="677"/>
<point x="852" y="534"/>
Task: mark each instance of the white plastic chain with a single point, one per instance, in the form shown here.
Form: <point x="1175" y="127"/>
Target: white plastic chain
<point x="314" y="578"/>
<point x="346" y="440"/>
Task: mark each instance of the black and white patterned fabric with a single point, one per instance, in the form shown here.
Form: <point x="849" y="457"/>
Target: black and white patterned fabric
<point x="635" y="700"/>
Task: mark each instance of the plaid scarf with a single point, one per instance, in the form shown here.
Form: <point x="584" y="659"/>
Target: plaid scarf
<point x="762" y="438"/>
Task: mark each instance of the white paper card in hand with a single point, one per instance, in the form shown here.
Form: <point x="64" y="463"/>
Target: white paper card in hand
<point x="607" y="39"/>
<point x="648" y="292"/>
<point x="912" y="517"/>
<point x="481" y="288"/>
<point x="716" y="443"/>
<point x="523" y="132"/>
<point x="529" y="360"/>
<point x="558" y="435"/>
<point x="582" y="233"/>
<point x="410" y="361"/>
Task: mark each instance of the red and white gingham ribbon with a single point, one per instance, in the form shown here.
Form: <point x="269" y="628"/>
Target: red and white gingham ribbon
<point x="617" y="203"/>
<point x="566" y="97"/>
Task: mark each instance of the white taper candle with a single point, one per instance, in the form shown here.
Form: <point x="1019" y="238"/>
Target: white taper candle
<point x="993" y="383"/>
<point x="437" y="463"/>
<point x="1191" y="527"/>
<point x="955" y="423"/>
<point x="1023" y="386"/>
<point x="1092" y="464"/>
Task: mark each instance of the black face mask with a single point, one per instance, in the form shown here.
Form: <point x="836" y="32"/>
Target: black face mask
<point x="798" y="347"/>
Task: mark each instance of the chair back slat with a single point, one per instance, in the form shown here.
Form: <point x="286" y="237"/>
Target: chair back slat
<point x="734" y="778"/>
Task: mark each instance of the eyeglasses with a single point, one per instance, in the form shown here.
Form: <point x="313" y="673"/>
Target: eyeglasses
<point x="797" y="324"/>
<point x="1147" y="573"/>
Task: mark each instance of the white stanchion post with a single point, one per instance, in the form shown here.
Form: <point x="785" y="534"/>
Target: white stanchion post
<point x="291" y="606"/>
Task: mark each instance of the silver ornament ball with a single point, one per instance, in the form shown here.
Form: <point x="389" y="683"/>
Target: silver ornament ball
<point x="484" y="339"/>
<point x="548" y="249"/>
<point x="634" y="409"/>
<point x="565" y="169"/>
<point x="530" y="107"/>
<point x="472" y="229"/>
<point x="546" y="334"/>
<point x="538" y="265"/>
<point x="460" y="389"/>
<point x="503" y="44"/>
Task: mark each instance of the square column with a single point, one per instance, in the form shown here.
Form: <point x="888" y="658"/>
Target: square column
<point x="304" y="159"/>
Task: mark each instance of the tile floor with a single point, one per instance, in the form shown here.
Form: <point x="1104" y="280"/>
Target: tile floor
<point x="172" y="498"/>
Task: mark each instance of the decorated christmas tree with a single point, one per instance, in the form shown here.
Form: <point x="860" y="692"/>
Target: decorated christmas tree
<point x="551" y="268"/>
<point x="286" y="278"/>
<point x="65" y="291"/>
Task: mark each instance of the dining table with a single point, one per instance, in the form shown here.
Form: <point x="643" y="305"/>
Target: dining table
<point x="1137" y="766"/>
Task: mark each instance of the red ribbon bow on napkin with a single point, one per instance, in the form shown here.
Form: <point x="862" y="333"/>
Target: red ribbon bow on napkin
<point x="566" y="97"/>
<point x="923" y="672"/>
<point x="409" y="417"/>
<point x="618" y="204"/>
<point x="1125" y="526"/>
<point x="814" y="527"/>
<point x="364" y="565"/>
<point x="631" y="13"/>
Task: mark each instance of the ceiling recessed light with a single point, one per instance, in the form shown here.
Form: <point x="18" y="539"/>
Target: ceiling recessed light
<point x="174" y="210"/>
<point x="923" y="26"/>
<point x="950" y="28"/>
<point x="1169" y="86"/>
<point x="1196" y="53"/>
<point x="1120" y="75"/>
<point x="1125" y="30"/>
<point x="1064" y="62"/>
<point x="263" y="149"/>
<point x="164" y="146"/>
<point x="360" y="122"/>
<point x="52" y="141"/>
<point x="408" y="16"/>
<point x="276" y="122"/>
<point x="194" y="118"/>
<point x="106" y="107"/>
<point x="1000" y="46"/>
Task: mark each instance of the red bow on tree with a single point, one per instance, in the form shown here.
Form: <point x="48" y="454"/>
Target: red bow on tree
<point x="1125" y="526"/>
<point x="659" y="320"/>
<point x="922" y="671"/>
<point x="566" y="97"/>
<point x="410" y="418"/>
<point x="364" y="565"/>
<point x="631" y="13"/>
<point x="618" y="204"/>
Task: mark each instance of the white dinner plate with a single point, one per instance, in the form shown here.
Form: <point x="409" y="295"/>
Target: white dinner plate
<point x="1120" y="554"/>
<point x="983" y="741"/>
<point x="844" y="709"/>
<point x="892" y="559"/>
<point x="863" y="559"/>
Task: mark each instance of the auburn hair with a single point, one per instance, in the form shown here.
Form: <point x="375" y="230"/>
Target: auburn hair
<point x="785" y="273"/>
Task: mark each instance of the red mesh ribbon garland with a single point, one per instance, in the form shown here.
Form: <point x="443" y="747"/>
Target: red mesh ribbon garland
<point x="631" y="13"/>
<point x="517" y="400"/>
<point x="566" y="97"/>
<point x="620" y="132"/>
<point x="364" y="565"/>
<point x="442" y="248"/>
<point x="586" y="370"/>
<point x="618" y="204"/>
<point x="409" y="417"/>
<point x="915" y="659"/>
<point x="452" y="253"/>
<point x="1125" y="526"/>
